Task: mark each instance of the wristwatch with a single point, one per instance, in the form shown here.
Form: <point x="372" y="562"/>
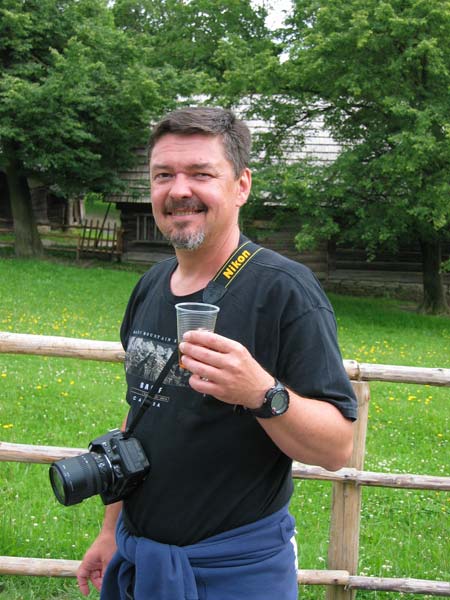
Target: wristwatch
<point x="276" y="402"/>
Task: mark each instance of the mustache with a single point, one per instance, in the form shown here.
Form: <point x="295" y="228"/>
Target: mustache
<point x="188" y="204"/>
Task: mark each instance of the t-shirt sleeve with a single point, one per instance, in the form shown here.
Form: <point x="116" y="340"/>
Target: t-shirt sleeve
<point x="127" y="320"/>
<point x="310" y="361"/>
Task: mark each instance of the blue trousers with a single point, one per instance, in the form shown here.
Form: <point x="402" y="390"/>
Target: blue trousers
<point x="252" y="562"/>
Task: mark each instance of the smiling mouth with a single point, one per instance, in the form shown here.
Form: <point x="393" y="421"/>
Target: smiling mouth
<point x="185" y="212"/>
<point x="184" y="209"/>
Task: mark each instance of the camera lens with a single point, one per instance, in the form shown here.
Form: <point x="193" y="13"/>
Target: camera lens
<point x="80" y="477"/>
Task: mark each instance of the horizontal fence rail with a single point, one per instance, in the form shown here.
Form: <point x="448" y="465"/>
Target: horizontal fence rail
<point x="370" y="478"/>
<point x="27" y="453"/>
<point x="397" y="373"/>
<point x="56" y="567"/>
<point x="340" y="578"/>
<point x="66" y="347"/>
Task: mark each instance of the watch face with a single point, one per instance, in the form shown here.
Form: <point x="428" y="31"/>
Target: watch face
<point x="278" y="401"/>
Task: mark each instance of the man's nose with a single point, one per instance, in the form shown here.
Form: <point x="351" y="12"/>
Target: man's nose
<point x="180" y="187"/>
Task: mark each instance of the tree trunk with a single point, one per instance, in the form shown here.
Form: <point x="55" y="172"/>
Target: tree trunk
<point x="434" y="299"/>
<point x="27" y="239"/>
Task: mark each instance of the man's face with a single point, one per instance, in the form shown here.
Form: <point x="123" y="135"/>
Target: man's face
<point x="195" y="194"/>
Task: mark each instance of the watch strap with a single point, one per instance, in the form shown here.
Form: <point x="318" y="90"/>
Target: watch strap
<point x="266" y="410"/>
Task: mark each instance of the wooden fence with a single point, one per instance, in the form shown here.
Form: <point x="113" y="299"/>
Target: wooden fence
<point x="343" y="552"/>
<point x="99" y="239"/>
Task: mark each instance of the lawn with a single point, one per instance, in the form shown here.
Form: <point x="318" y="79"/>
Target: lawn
<point x="68" y="402"/>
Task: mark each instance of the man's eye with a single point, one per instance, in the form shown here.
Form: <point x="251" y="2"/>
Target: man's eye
<point x="203" y="175"/>
<point x="161" y="176"/>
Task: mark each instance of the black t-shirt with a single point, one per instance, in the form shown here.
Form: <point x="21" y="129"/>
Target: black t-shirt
<point x="214" y="468"/>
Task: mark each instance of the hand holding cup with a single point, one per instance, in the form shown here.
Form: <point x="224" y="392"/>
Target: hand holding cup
<point x="194" y="315"/>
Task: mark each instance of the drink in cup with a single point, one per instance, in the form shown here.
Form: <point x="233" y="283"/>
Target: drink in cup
<point x="194" y="315"/>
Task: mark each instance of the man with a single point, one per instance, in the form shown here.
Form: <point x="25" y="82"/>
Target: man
<point x="211" y="519"/>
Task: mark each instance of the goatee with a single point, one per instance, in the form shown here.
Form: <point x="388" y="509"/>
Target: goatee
<point x="186" y="241"/>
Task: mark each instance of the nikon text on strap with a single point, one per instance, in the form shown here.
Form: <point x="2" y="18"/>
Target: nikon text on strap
<point x="217" y="287"/>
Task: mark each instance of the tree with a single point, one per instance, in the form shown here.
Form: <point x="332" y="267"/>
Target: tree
<point x="189" y="35"/>
<point x="82" y="79"/>
<point x="76" y="97"/>
<point x="378" y="73"/>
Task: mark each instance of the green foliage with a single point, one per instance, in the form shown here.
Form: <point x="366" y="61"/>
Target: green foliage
<point x="81" y="79"/>
<point x="76" y="94"/>
<point x="190" y="36"/>
<point x="445" y="266"/>
<point x="378" y="74"/>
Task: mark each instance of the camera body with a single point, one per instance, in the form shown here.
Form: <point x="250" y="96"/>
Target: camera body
<point x="128" y="461"/>
<point x="114" y="466"/>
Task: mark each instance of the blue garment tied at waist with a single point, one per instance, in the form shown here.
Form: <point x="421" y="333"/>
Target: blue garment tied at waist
<point x="255" y="562"/>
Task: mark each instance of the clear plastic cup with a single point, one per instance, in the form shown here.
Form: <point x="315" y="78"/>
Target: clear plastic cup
<point x="194" y="315"/>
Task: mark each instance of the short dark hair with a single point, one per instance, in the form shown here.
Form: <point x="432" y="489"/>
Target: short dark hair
<point x="210" y="121"/>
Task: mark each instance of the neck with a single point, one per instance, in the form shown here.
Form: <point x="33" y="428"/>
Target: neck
<point x="197" y="267"/>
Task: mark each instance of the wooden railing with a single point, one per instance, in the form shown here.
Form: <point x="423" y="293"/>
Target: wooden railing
<point x="99" y="239"/>
<point x="341" y="577"/>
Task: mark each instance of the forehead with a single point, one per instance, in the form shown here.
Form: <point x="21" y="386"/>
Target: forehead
<point x="188" y="149"/>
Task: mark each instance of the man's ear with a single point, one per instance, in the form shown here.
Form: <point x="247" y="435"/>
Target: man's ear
<point x="245" y="185"/>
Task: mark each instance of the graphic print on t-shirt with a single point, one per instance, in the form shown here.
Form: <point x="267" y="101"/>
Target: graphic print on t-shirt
<point x="144" y="360"/>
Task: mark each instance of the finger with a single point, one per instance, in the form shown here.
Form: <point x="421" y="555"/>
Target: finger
<point x="83" y="585"/>
<point x="202" y="385"/>
<point x="202" y="356"/>
<point x="210" y="388"/>
<point x="216" y="342"/>
<point x="201" y="368"/>
<point x="97" y="579"/>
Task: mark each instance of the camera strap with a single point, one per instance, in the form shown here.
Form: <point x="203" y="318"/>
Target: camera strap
<point x="240" y="258"/>
<point x="213" y="292"/>
<point x="149" y="396"/>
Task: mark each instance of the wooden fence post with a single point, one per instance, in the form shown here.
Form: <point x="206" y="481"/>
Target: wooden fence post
<point x="343" y="548"/>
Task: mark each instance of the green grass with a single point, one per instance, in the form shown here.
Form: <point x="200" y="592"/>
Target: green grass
<point x="404" y="533"/>
<point x="68" y="402"/>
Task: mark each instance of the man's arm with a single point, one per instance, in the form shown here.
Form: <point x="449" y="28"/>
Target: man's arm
<point x="98" y="556"/>
<point x="311" y="431"/>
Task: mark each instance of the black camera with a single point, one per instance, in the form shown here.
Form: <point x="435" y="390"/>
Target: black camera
<point x="114" y="466"/>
